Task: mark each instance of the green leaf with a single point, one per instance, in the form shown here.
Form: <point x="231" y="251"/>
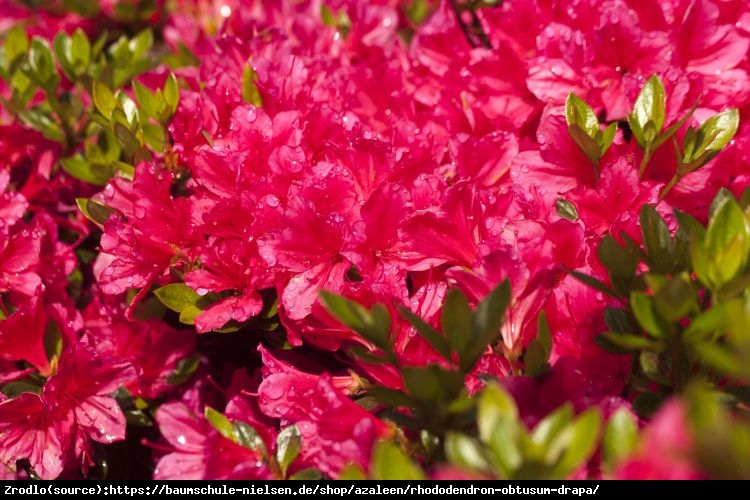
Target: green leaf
<point x="667" y="134"/>
<point x="16" y="44"/>
<point x="606" y="138"/>
<point x="656" y="240"/>
<point x="172" y="93"/>
<point x="126" y="138"/>
<point x="94" y="211"/>
<point x="745" y="198"/>
<point x="495" y="406"/>
<point x="676" y="298"/>
<point x="391" y="398"/>
<point x="129" y="108"/>
<point x="146" y="99"/>
<point x="646" y="314"/>
<point x="593" y="283"/>
<point x="586" y="144"/>
<point x="649" y="108"/>
<point x="689" y="231"/>
<point x="566" y="210"/>
<point x="188" y="315"/>
<point x="104" y="99"/>
<point x="288" y="446"/>
<point x="140" y="45"/>
<point x="219" y="422"/>
<point x="617" y="320"/>
<point x="84" y="8"/>
<point x="352" y="472"/>
<point x="432" y="336"/>
<point x="93" y="173"/>
<point x="628" y="342"/>
<point x="726" y="246"/>
<point x="374" y="326"/>
<point x="431" y="384"/>
<point x="154" y="137"/>
<point x="719" y="130"/>
<point x="456" y="321"/>
<point x="177" y="296"/>
<point x="80" y="52"/>
<point x="246" y="436"/>
<point x="579" y="441"/>
<point x="184" y="370"/>
<point x="577" y="112"/>
<point x="500" y="428"/>
<point x="312" y="474"/>
<point x="42" y="66"/>
<point x="327" y="16"/>
<point x="368" y="356"/>
<point x="250" y="93"/>
<point x="389" y="462"/>
<point x="339" y="20"/>
<point x="549" y="428"/>
<point x="538" y="351"/>
<point x="620" y="438"/>
<point x="619" y="261"/>
<point x="465" y="452"/>
<point x="18" y="387"/>
<point x="707" y="324"/>
<point x="722" y="359"/>
<point x="651" y="365"/>
<point x="485" y="325"/>
<point x="36" y="119"/>
<point x="722" y="196"/>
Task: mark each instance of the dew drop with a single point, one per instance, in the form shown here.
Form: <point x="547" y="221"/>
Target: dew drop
<point x="140" y="211"/>
<point x="271" y="200"/>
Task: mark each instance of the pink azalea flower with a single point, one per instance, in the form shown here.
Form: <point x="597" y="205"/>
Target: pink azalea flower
<point x="186" y="433"/>
<point x="151" y="346"/>
<point x="74" y="408"/>
<point x="198" y="451"/>
<point x="22" y="335"/>
<point x="335" y="430"/>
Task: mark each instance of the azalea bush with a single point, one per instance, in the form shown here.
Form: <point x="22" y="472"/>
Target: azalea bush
<point x="246" y="239"/>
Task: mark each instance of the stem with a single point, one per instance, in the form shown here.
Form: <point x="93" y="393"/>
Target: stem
<point x="644" y="162"/>
<point x="672" y="183"/>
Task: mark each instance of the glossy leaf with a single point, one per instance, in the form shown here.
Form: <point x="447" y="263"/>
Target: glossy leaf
<point x="456" y="321"/>
<point x="220" y="422"/>
<point x="620" y="438"/>
<point x="104" y="99"/>
<point x="649" y="108"/>
<point x="288" y="446"/>
<point x="656" y="239"/>
<point x="577" y="112"/>
<point x="93" y="210"/>
<point x="566" y="210"/>
<point x="389" y="462"/>
<point x="177" y="296"/>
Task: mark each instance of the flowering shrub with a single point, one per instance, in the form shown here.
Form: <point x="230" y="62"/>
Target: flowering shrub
<point x="243" y="239"/>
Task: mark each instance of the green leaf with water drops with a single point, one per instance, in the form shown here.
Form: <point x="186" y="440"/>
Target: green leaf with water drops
<point x="177" y="296"/>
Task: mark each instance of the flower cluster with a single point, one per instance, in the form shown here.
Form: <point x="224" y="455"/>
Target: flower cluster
<point x="174" y="203"/>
